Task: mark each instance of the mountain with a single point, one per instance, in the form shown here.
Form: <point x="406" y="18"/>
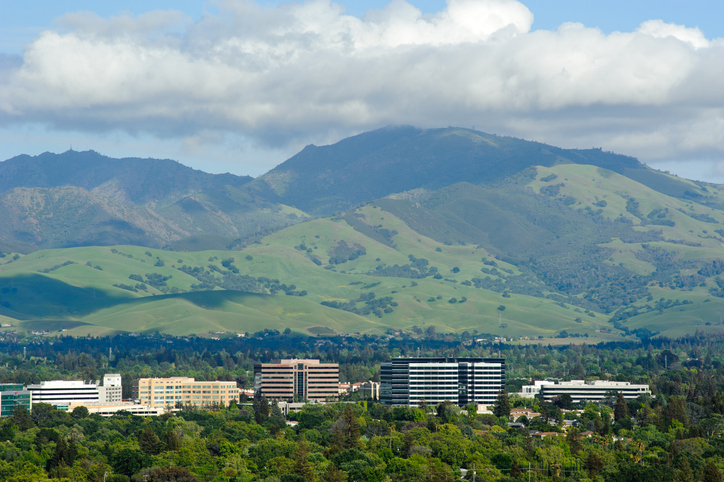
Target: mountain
<point x="84" y="198"/>
<point x="328" y="179"/>
<point x="134" y="180"/>
<point x="445" y="228"/>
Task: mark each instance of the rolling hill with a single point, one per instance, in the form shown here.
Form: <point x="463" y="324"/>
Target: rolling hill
<point x="446" y="228"/>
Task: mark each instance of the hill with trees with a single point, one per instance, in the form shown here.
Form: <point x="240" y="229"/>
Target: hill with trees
<point x="532" y="244"/>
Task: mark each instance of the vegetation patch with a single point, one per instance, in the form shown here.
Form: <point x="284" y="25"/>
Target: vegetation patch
<point x="372" y="305"/>
<point x="57" y="266"/>
<point x="417" y="268"/>
<point x="342" y="252"/>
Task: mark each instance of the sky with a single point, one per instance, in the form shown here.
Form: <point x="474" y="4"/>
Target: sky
<point x="241" y="85"/>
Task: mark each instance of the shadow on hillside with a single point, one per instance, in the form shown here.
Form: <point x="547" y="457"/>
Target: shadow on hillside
<point x="34" y="296"/>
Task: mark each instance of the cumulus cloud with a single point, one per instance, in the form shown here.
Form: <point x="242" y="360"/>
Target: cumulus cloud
<point x="306" y="71"/>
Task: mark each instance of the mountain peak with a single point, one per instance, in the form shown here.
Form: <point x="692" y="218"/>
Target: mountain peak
<point x="394" y="159"/>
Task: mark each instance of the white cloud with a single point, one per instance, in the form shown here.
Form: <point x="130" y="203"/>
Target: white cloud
<point x="659" y="29"/>
<point x="306" y="71"/>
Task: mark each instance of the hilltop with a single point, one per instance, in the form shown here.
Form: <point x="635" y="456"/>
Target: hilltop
<point x="328" y="179"/>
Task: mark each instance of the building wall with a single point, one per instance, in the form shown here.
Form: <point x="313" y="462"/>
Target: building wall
<point x="162" y="392"/>
<point x="408" y="381"/>
<point x="13" y="396"/>
<point x="592" y="391"/>
<point x="300" y="379"/>
<point x="111" y="391"/>
<point x="61" y="393"/>
<point x="110" y="409"/>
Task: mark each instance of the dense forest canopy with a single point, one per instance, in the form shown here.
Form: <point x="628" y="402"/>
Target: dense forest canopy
<point x="673" y="435"/>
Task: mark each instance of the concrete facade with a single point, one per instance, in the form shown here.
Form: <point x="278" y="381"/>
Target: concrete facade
<point x="294" y="379"/>
<point x="168" y="392"/>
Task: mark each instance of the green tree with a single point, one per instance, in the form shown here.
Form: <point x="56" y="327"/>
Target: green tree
<point x="502" y="404"/>
<point x="350" y="428"/>
<point x="79" y="413"/>
<point x="171" y="474"/>
<point x="620" y="409"/>
<point x="128" y="461"/>
<point x="515" y="471"/>
<point x="683" y="471"/>
<point x="446" y="411"/>
<point x="711" y="473"/>
<point x="594" y="464"/>
<point x="573" y="438"/>
<point x="261" y="410"/>
<point x="172" y="440"/>
<point x="149" y="442"/>
<point x="302" y="466"/>
<point x="59" y="456"/>
<point x="22" y="418"/>
<point x="43" y="413"/>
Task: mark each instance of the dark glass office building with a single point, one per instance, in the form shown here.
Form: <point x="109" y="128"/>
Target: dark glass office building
<point x="462" y="381"/>
<point x="12" y="396"/>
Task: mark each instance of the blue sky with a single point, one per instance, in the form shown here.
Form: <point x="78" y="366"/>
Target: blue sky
<point x="85" y="79"/>
<point x="21" y="22"/>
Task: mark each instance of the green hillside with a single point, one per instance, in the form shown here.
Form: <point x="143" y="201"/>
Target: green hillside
<point x="486" y="234"/>
<point x="569" y="248"/>
<point x="99" y="296"/>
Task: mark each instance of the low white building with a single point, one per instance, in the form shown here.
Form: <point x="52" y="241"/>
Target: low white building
<point x="531" y="391"/>
<point x="579" y="390"/>
<point x="62" y="393"/>
<point x="110" y="409"/>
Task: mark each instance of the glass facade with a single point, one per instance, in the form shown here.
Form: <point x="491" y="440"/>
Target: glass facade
<point x="408" y="381"/>
<point x="12" y="396"/>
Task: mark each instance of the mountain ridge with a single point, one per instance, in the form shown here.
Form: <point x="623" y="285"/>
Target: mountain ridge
<point x="375" y="164"/>
<point x="90" y="170"/>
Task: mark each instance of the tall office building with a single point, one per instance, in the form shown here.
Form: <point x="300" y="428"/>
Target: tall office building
<point x="13" y="395"/>
<point x="111" y="390"/>
<point x="462" y="381"/>
<point x="296" y="379"/>
<point x="165" y="392"/>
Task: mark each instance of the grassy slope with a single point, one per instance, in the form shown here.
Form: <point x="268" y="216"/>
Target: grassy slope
<point x="276" y="257"/>
<point x="84" y="300"/>
<point x="524" y="315"/>
<point x="590" y="185"/>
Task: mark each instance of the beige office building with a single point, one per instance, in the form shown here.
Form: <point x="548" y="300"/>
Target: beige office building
<point x="165" y="392"/>
<point x="296" y="379"/>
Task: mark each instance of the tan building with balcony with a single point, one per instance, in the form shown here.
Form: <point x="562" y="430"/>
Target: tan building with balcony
<point x="165" y="392"/>
<point x="296" y="380"/>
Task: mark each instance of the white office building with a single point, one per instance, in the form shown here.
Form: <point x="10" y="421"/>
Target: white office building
<point x="462" y="381"/>
<point x="62" y="393"/>
<point x="579" y="390"/>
